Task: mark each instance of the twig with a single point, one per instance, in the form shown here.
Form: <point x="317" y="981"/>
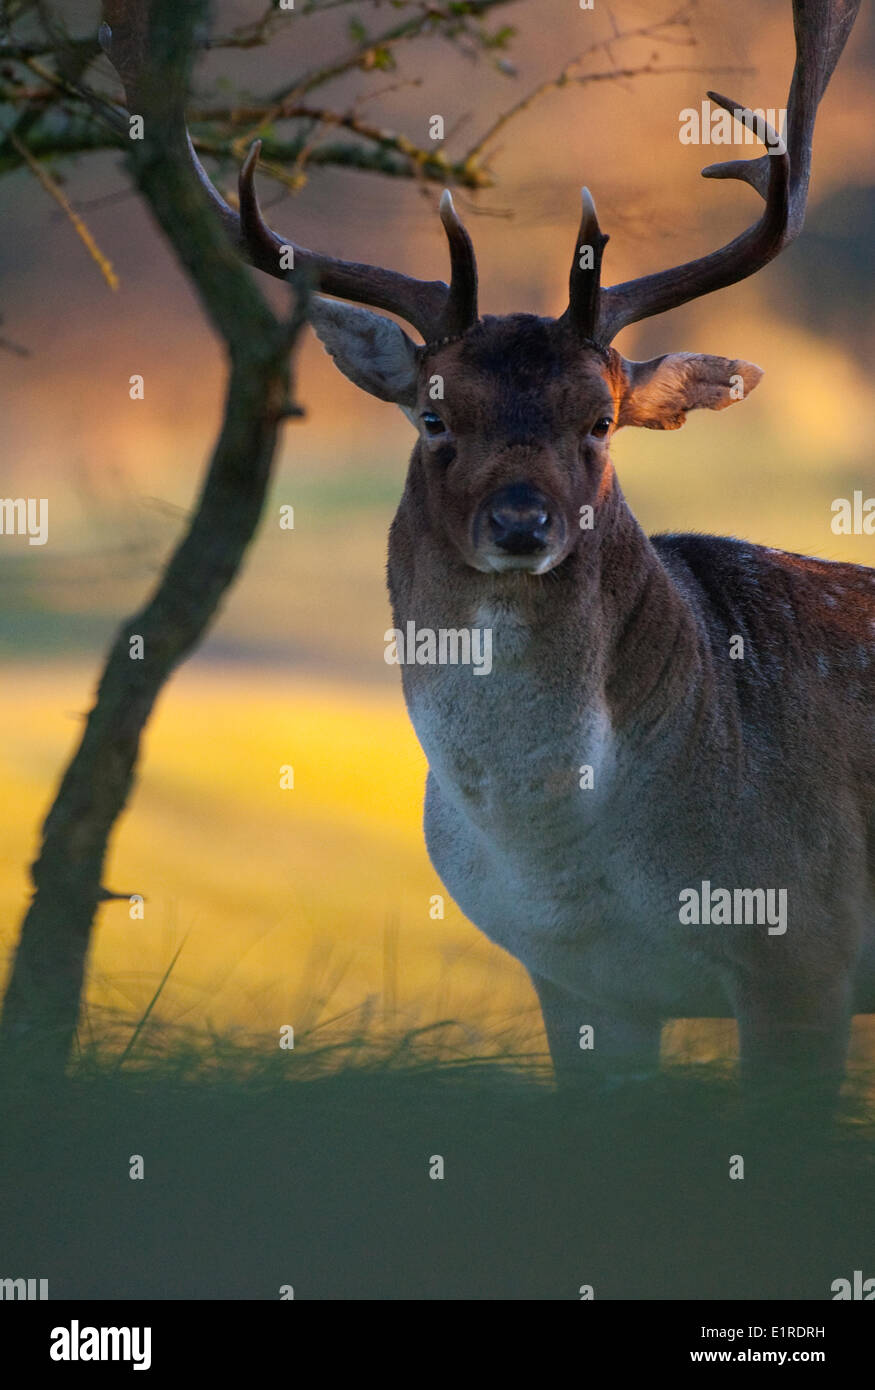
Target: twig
<point x="80" y="227"/>
<point x="21" y="51"/>
<point x="679" y="19"/>
<point x="407" y="29"/>
<point x="8" y="346"/>
<point x="431" y="165"/>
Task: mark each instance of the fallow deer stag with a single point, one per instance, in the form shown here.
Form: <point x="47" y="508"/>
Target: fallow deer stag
<point x="662" y="715"/>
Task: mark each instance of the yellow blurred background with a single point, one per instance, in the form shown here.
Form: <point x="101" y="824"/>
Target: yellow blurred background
<point x="306" y="905"/>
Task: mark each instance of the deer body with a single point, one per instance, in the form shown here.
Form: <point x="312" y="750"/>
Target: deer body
<point x="619" y="661"/>
<point x="583" y="886"/>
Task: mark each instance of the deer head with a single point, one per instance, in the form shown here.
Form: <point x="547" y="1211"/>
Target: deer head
<point x="516" y="444"/>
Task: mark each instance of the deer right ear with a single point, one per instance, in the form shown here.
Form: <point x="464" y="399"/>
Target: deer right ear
<point x="371" y="350"/>
<point x="658" y="394"/>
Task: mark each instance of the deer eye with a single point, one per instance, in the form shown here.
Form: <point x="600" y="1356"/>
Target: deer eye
<point x="601" y="426"/>
<point x="433" y="424"/>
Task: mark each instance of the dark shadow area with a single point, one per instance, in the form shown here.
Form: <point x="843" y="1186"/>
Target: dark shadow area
<point x="285" y="1172"/>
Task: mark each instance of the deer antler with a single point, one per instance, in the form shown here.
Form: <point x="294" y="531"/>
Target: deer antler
<point x="583" y="286"/>
<point x="436" y="310"/>
<point x="781" y="177"/>
<point x="821" y="28"/>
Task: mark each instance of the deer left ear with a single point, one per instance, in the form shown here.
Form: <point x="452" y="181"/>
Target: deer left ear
<point x="368" y="348"/>
<point x="657" y="394"/>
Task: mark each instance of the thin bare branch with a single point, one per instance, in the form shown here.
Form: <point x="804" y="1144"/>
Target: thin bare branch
<point x="36" y="48"/>
<point x="323" y="118"/>
<point x="430" y="15"/>
<point x="674" y="29"/>
<point x="7" y="345"/>
<point x="431" y="165"/>
<point x="80" y="227"/>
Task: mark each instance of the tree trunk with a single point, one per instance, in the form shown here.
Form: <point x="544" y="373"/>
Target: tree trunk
<point x="151" y="47"/>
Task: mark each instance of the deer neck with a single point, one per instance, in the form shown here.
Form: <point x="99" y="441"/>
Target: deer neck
<point x="605" y="648"/>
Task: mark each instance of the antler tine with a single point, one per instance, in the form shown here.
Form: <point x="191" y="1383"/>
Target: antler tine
<point x="262" y="247"/>
<point x="584" y="281"/>
<point x="780" y="176"/>
<point x="460" y="310"/>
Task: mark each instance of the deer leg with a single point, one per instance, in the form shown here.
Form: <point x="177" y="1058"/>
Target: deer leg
<point x="591" y="1043"/>
<point x="793" y="1041"/>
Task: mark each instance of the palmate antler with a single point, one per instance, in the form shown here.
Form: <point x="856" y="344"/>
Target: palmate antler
<point x="780" y="177"/>
<point x="441" y="311"/>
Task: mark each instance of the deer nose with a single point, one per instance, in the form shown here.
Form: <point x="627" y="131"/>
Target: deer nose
<point x="518" y="519"/>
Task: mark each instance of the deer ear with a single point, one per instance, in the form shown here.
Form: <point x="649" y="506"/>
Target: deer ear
<point x="657" y="394"/>
<point x="371" y="350"/>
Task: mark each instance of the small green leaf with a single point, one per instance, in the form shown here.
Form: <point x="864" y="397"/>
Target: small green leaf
<point x="384" y="60"/>
<point x="500" y="39"/>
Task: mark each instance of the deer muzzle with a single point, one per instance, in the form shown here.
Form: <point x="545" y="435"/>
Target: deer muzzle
<point x="518" y="527"/>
